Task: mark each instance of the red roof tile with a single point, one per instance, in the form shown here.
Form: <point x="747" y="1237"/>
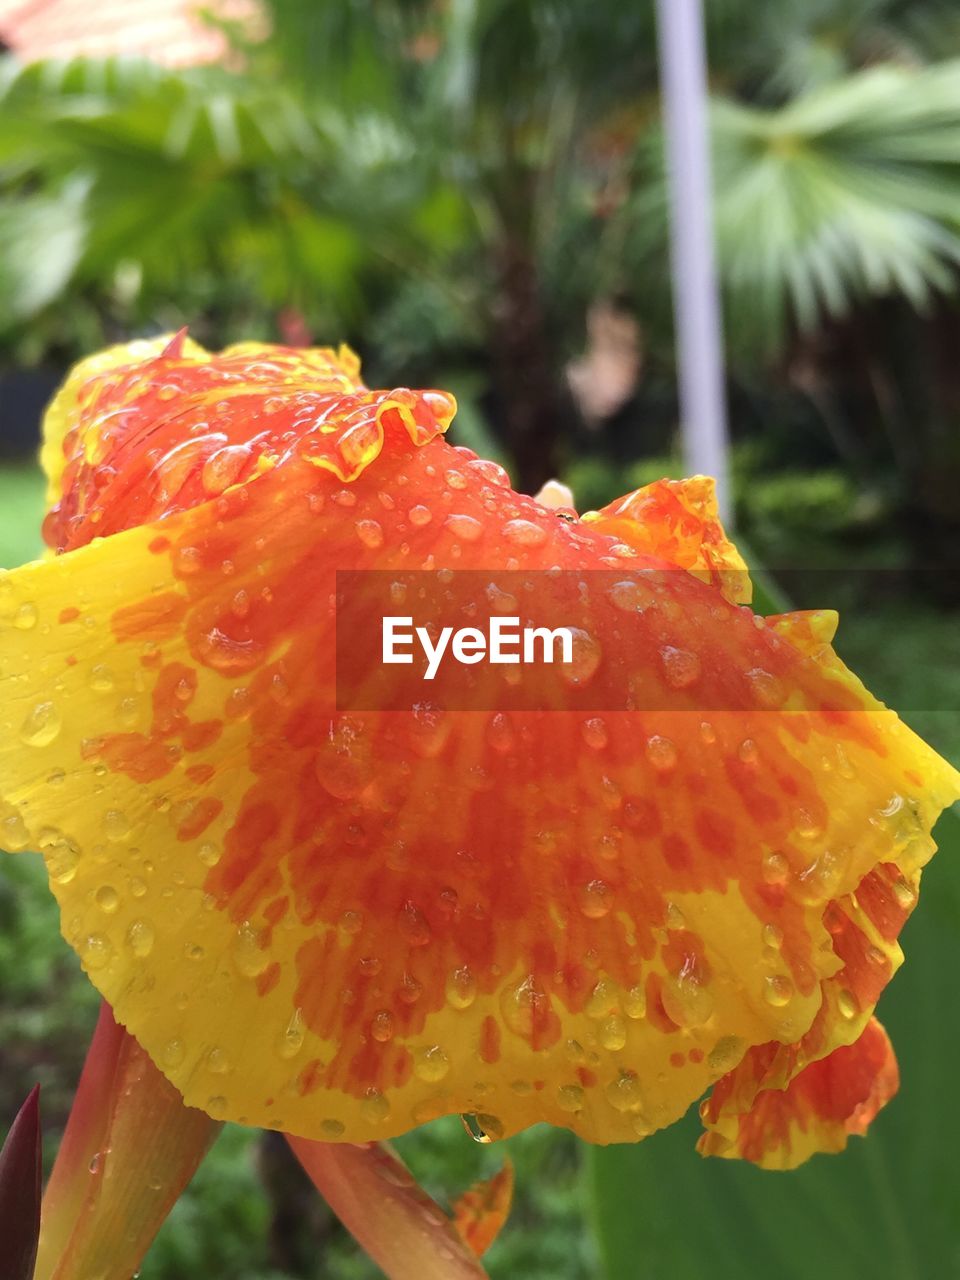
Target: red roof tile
<point x="169" y="31"/>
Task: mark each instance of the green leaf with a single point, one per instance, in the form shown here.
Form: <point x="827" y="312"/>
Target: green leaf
<point x="887" y="1207"/>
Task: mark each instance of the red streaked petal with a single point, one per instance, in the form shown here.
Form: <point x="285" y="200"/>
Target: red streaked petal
<point x="817" y="1111"/>
<point x="373" y="1194"/>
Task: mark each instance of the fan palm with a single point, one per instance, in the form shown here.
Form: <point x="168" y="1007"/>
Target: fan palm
<point x="455" y="167"/>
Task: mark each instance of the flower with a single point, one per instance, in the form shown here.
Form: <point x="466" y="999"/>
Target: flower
<point x="343" y="924"/>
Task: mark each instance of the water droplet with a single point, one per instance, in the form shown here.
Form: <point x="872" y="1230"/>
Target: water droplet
<point x="25" y="619"/>
<point x="624" y="1093"/>
<point x="466" y="528"/>
<point x="96" y="952"/>
<point x="223" y="468"/>
<point x="116" y="825"/>
<point x="686" y="1000"/>
<point x="381" y="1027"/>
<point x="807" y="827"/>
<point x="461" y="989"/>
<point x="140" y="937"/>
<point x="62" y="858"/>
<point x="138" y="887"/>
<point x="209" y="854"/>
<point x="892" y="807"/>
<point x="775" y="868"/>
<point x="675" y="917"/>
<point x="41" y="726"/>
<point x="773" y="936"/>
<point x="819" y="882"/>
<point x="107" y="899"/>
<point x="413" y="926"/>
<point x="680" y="666"/>
<point x="524" y="533"/>
<point x="594" y="733"/>
<point x="431" y="1064"/>
<point x="217" y="1062"/>
<point x="429" y="731"/>
<point x="500" y="734"/>
<point x="248" y="957"/>
<point x="13" y="834"/>
<point x="707" y="733"/>
<point x="847" y="1004"/>
<point x="904" y="893"/>
<point x="726" y="1053"/>
<point x="777" y="990"/>
<point x="94" y="1165"/>
<point x="766" y="688"/>
<point x="216" y="1106"/>
<point x="661" y="753"/>
<point x="585" y="658"/>
<point x="375" y="1107"/>
<point x="596" y="899"/>
<point x="748" y="752"/>
<point x="351" y="922"/>
<point x="101" y="679"/>
<point x="410" y="990"/>
<point x="629" y="596"/>
<point x="613" y="1034"/>
<point x="570" y="1097"/>
<point x="603" y="1000"/>
<point x="635" y="1002"/>
<point x="483" y="1128"/>
<point x="173" y="1053"/>
<point x="290" y="1041"/>
<point x="524" y="1007"/>
<point x="332" y="1129"/>
<point x="370" y="533"/>
<point x="419" y="515"/>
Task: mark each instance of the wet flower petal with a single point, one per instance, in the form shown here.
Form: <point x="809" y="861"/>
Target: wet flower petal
<point x="20" y="1172"/>
<point x="345" y="924"/>
<point x="817" y="1111"/>
<point x="480" y="1213"/>
<point x="405" y="1232"/>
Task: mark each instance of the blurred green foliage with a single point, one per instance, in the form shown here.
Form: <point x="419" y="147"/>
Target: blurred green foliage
<point x="453" y="187"/>
<point x="887" y="1207"/>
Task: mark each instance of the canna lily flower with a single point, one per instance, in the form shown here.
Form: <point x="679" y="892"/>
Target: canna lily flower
<point x="342" y="924"/>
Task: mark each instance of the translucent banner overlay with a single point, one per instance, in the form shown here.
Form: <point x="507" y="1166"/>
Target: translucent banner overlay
<point x="619" y="640"/>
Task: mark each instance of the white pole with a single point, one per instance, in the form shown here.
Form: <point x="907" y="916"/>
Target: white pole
<point x="699" y="333"/>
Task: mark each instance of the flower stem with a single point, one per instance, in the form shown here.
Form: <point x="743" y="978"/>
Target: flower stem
<point x="129" y="1149"/>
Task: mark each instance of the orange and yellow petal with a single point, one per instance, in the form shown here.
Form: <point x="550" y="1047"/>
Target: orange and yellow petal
<point x="344" y="924"/>
<point x="832" y="1098"/>
<point x="481" y="1212"/>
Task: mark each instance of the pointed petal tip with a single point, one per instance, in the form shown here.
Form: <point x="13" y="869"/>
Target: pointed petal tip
<point x="174" y="348"/>
<point x="20" y="1172"/>
<point x="480" y="1213"/>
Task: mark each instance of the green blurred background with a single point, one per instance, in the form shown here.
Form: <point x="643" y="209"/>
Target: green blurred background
<point x="471" y="192"/>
